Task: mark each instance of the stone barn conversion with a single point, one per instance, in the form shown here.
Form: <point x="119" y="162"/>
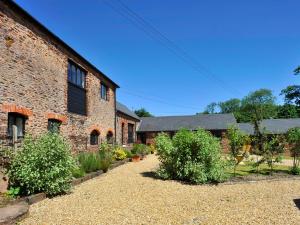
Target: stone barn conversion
<point x="217" y="124"/>
<point x="127" y="124"/>
<point x="271" y="126"/>
<point x="47" y="85"/>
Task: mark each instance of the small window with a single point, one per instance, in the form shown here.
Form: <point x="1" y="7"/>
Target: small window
<point x="130" y="133"/>
<point x="94" y="138"/>
<point x="104" y="91"/>
<point x="15" y="119"/>
<point x="109" y="137"/>
<point x="76" y="75"/>
<point x="54" y="125"/>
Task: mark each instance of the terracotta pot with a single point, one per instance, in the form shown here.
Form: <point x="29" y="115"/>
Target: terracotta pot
<point x="136" y="158"/>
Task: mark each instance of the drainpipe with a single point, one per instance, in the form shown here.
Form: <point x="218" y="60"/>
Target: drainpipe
<point x="115" y="116"/>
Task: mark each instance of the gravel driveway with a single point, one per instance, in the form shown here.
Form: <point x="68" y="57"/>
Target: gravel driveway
<point x="128" y="195"/>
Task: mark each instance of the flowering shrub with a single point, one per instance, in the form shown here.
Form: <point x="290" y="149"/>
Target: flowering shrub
<point x="119" y="154"/>
<point x="190" y="156"/>
<point x="44" y="164"/>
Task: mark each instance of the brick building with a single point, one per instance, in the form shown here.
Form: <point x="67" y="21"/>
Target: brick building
<point x="127" y="125"/>
<point x="217" y="124"/>
<point x="46" y="85"/>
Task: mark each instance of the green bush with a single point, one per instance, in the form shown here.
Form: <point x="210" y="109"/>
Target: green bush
<point x="89" y="162"/>
<point x="295" y="170"/>
<point x="140" y="149"/>
<point x="44" y="164"/>
<point x="293" y="138"/>
<point x="128" y="154"/>
<point x="194" y="157"/>
<point x="78" y="172"/>
<point x="119" y="153"/>
<point x="106" y="156"/>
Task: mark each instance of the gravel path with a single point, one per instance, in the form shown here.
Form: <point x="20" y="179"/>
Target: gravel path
<point x="128" y="195"/>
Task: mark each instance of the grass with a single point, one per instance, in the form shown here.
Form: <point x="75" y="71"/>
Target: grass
<point x="264" y="169"/>
<point x="288" y="157"/>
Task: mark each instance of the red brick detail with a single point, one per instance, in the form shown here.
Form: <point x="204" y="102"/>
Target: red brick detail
<point x="94" y="127"/>
<point x="62" y="118"/>
<point x="16" y="109"/>
<point x="110" y="130"/>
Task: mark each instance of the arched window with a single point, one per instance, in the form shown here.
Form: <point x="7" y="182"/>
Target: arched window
<point x="109" y="137"/>
<point x="94" y="138"/>
<point x="54" y="125"/>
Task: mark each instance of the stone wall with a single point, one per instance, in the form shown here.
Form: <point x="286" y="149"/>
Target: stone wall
<point x="33" y="82"/>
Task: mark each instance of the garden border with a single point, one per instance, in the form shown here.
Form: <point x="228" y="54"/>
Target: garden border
<point x="19" y="208"/>
<point x="268" y="179"/>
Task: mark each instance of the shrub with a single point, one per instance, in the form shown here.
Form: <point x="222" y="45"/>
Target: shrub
<point x="236" y="142"/>
<point x="140" y="149"/>
<point x="78" y="172"/>
<point x="106" y="156"/>
<point x="128" y="154"/>
<point x="89" y="162"/>
<point x="293" y="138"/>
<point x="119" y="153"/>
<point x="6" y="154"/>
<point x="295" y="170"/>
<point x="44" y="164"/>
<point x="273" y="149"/>
<point x="190" y="156"/>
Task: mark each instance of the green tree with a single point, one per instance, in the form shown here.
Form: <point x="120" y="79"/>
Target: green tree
<point x="256" y="106"/>
<point x="287" y="111"/>
<point x="291" y="94"/>
<point x="236" y="142"/>
<point x="259" y="105"/>
<point x="211" y="108"/>
<point x="297" y="70"/>
<point x="230" y="106"/>
<point x="142" y="112"/>
<point x="273" y="149"/>
<point x="293" y="138"/>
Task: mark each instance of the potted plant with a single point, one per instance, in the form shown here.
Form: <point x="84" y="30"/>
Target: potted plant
<point x="135" y="158"/>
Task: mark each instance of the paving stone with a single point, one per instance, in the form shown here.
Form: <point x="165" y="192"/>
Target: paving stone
<point x="12" y="213"/>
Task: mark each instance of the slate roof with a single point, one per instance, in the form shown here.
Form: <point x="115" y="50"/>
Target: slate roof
<point x="174" y="123"/>
<point x="272" y="126"/>
<point x="123" y="109"/>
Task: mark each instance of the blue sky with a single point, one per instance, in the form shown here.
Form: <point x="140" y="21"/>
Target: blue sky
<point x="241" y="46"/>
